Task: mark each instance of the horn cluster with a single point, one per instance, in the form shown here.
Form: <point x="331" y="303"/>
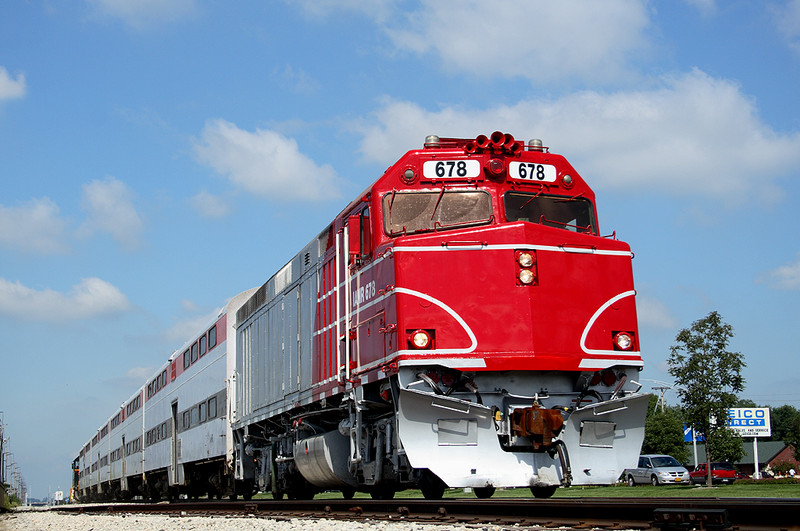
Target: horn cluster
<point x="498" y="143"/>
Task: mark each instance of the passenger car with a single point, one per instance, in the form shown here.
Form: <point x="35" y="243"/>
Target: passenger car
<point x="721" y="472"/>
<point x="657" y="470"/>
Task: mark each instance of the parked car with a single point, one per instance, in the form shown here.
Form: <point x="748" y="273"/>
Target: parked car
<point x="657" y="470"/>
<point x="721" y="472"/>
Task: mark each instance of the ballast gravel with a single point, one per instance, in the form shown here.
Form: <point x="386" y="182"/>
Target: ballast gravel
<point x="55" y="521"/>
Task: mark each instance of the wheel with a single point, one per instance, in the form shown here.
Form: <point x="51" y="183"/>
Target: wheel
<point x="654" y="480"/>
<point x="431" y="486"/>
<point x="300" y="494"/>
<point x="484" y="492"/>
<point x="543" y="492"/>
<point x="384" y="493"/>
<point x="631" y="482"/>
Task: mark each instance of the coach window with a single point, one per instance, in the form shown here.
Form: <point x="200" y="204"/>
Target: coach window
<point x="194" y="353"/>
<point x="202" y="346"/>
<point x="164" y="378"/>
<point x="195" y="416"/>
<point x="186" y="361"/>
<point x="212" y="407"/>
<point x="186" y="424"/>
<point x="212" y="337"/>
<point x="203" y="411"/>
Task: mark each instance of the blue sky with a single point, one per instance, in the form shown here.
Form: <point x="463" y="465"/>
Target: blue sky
<point x="158" y="157"/>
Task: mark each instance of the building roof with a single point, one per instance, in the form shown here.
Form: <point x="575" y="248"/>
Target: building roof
<point x="767" y="451"/>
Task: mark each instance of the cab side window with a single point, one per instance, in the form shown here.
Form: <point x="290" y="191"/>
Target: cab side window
<point x="366" y="234"/>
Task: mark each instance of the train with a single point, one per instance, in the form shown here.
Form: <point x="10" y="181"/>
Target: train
<point x="462" y="323"/>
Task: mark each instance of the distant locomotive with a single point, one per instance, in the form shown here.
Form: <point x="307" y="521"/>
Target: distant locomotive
<point x="462" y="323"/>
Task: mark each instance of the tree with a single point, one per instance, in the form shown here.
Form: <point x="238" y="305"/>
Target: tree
<point x="663" y="432"/>
<point x="708" y="376"/>
<point x="786" y="426"/>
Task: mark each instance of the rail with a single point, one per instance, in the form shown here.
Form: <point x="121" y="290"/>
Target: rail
<point x="743" y="514"/>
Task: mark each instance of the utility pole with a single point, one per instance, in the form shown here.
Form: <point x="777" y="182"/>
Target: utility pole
<point x="661" y="390"/>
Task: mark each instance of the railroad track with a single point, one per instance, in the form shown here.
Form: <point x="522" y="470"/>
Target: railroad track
<point x="749" y="514"/>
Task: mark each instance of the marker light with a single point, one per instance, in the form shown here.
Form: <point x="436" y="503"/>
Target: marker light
<point x="496" y="168"/>
<point x="525" y="259"/>
<point x="420" y="339"/>
<point x="526" y="276"/>
<point x="623" y="340"/>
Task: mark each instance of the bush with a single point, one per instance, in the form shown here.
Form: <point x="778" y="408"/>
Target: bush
<point x="769" y="481"/>
<point x="781" y="468"/>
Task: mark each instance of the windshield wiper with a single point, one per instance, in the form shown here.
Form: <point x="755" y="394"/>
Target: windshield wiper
<point x="436" y="206"/>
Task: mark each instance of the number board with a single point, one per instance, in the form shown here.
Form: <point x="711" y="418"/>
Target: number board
<point x="529" y="171"/>
<point x="451" y="169"/>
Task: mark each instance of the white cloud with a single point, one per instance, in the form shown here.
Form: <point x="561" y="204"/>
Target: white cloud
<point x="91" y="297"/>
<point x="264" y="163"/>
<point x="297" y="80"/>
<point x="35" y="226"/>
<point x="209" y="205"/>
<point x="786" y="277"/>
<point x="376" y="9"/>
<point x="187" y="328"/>
<point x="705" y="7"/>
<point x="787" y="20"/>
<point x="541" y="40"/>
<point x="109" y="208"/>
<point x="10" y="88"/>
<point x="143" y="13"/>
<point x="653" y="313"/>
<point x="693" y="135"/>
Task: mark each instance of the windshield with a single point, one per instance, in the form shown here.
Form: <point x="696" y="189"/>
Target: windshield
<point x="661" y="462"/>
<point x="721" y="466"/>
<point x="409" y="212"/>
<point x="573" y="214"/>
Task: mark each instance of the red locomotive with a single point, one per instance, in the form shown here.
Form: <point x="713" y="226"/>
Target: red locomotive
<point x="461" y="324"/>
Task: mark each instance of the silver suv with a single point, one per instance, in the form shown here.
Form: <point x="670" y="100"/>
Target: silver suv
<point x="657" y="470"/>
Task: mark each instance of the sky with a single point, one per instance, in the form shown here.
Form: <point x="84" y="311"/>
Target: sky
<point x="158" y="157"/>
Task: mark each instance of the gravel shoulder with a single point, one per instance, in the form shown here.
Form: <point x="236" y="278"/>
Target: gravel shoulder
<point x="45" y="520"/>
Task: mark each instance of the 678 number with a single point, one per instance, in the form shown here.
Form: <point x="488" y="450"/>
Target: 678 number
<point x="529" y="170"/>
<point x="451" y="168"/>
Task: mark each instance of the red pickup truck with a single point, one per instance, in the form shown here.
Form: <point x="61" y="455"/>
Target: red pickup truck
<point x="722" y="472"/>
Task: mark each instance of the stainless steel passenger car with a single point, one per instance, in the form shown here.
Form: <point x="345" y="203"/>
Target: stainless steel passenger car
<point x="172" y="436"/>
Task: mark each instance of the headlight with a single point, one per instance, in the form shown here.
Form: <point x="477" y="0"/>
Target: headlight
<point x="420" y="339"/>
<point x="623" y="340"/>
<point x="526" y="276"/>
<point x="525" y="259"/>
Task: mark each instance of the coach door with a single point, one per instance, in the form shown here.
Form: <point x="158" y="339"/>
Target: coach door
<point x="291" y="341"/>
<point x="173" y="469"/>
<point x="124" y="481"/>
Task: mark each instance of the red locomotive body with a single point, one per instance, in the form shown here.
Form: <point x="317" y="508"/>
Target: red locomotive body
<point x="459" y="280"/>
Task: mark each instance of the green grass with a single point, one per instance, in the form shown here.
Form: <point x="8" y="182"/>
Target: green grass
<point x="744" y="489"/>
